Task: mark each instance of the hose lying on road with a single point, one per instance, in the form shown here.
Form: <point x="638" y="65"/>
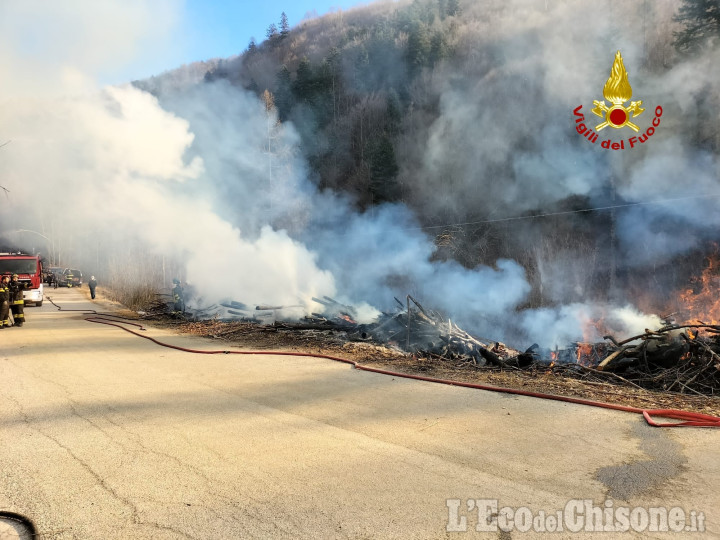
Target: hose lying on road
<point x="685" y="418"/>
<point x="94" y="312"/>
<point x="27" y="526"/>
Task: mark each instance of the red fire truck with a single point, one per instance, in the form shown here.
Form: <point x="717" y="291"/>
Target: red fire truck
<point x="29" y="270"/>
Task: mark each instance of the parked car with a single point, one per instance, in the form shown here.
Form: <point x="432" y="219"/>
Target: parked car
<point x="51" y="273"/>
<point x="71" y="277"/>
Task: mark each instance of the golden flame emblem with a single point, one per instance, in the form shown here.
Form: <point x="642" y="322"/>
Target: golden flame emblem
<point x="617" y="90"/>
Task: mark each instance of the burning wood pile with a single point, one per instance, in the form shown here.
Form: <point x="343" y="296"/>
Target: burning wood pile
<point x="684" y="359"/>
<point x="410" y="328"/>
<point x="680" y="358"/>
<point x="674" y="358"/>
<point x="425" y="332"/>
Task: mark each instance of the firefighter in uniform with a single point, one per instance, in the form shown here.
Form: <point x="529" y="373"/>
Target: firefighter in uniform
<point x="17" y="303"/>
<point x="178" y="297"/>
<point x="4" y="301"/>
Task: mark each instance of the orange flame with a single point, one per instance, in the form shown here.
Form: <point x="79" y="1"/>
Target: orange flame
<point x="585" y="354"/>
<point x="701" y="302"/>
<point x="553" y="358"/>
<point x="594" y="329"/>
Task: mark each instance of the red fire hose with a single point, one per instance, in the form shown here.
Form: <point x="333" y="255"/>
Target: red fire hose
<point x="685" y="419"/>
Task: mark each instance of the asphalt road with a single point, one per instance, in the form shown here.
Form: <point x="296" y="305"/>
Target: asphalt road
<point x="106" y="435"/>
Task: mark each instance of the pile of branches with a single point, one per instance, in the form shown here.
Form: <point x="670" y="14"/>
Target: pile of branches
<point x="427" y="333"/>
<point x="683" y="359"/>
<point x="411" y="328"/>
<point x="675" y="358"/>
<point x="161" y="306"/>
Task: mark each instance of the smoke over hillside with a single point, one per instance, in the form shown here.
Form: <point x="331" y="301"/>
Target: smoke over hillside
<point x="206" y="184"/>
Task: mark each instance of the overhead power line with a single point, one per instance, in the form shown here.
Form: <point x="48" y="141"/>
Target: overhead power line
<point x="567" y="212"/>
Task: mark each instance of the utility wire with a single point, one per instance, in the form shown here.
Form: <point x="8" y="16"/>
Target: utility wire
<point x="566" y="212"/>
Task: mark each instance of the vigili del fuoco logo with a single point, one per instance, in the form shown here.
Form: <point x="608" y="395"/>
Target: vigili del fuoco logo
<point x="617" y="91"/>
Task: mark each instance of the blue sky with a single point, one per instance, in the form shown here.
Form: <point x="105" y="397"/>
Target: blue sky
<point x="74" y="45"/>
<point x="221" y="28"/>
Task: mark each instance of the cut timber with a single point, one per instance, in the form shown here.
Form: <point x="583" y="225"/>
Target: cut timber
<point x="601" y="366"/>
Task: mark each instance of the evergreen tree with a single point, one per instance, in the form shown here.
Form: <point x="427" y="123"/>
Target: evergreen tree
<point x="438" y="48"/>
<point x="323" y="79"/>
<point x="422" y="11"/>
<point x="453" y="7"/>
<point x="271" y="32"/>
<point x="252" y="45"/>
<point x="335" y="71"/>
<point x="283" y="93"/>
<point x="333" y="58"/>
<point x="323" y="93"/>
<point x="442" y="8"/>
<point x="701" y="19"/>
<point x="284" y="25"/>
<point x="361" y="69"/>
<point x="383" y="171"/>
<point x="304" y="83"/>
<point x="253" y="87"/>
<point x="393" y="115"/>
<point x="418" y="46"/>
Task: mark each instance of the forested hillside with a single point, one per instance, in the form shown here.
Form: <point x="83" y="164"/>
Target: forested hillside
<point x="462" y="111"/>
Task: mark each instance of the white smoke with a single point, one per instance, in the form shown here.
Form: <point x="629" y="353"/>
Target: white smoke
<point x="51" y="48"/>
<point x="115" y="164"/>
<point x="114" y="161"/>
<point x="557" y="327"/>
<point x="504" y="144"/>
<point x="209" y="179"/>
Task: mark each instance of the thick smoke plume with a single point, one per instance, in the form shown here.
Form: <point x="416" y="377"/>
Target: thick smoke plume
<point x="207" y="185"/>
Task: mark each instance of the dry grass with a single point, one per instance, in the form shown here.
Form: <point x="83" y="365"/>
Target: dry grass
<point x="135" y="298"/>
